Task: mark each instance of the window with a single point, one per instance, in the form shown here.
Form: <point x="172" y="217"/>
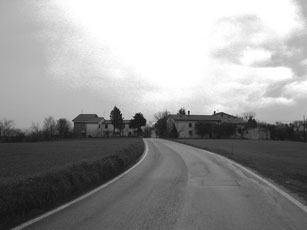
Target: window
<point x="190" y="125"/>
<point x="190" y="133"/>
<point x="106" y="126"/>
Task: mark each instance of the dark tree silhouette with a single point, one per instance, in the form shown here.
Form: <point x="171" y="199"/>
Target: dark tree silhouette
<point x="49" y="127"/>
<point x="6" y="127"/>
<point x="160" y="125"/>
<point x="137" y="122"/>
<point x="116" y="118"/>
<point x="63" y="127"/>
<point x="202" y="129"/>
<point x="181" y="111"/>
<point x="224" y="130"/>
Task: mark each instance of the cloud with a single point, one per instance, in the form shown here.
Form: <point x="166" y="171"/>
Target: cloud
<point x="296" y="89"/>
<point x="151" y="56"/>
<point x="255" y="56"/>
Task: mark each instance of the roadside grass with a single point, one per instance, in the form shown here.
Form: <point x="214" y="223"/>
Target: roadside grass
<point x="282" y="161"/>
<point x="36" y="177"/>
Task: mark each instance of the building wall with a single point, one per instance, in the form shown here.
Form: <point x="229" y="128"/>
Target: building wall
<point x="79" y="129"/>
<point x="92" y="130"/>
<point x="128" y="131"/>
<point x="108" y="131"/>
<point x="100" y="129"/>
<point x="185" y="129"/>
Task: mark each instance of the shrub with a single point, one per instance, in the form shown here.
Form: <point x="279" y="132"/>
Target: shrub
<point x="39" y="193"/>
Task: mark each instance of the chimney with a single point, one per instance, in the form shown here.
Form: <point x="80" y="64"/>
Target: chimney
<point x="214" y="113"/>
<point x="188" y="112"/>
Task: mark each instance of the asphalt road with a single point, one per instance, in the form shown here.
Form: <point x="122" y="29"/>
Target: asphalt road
<point x="178" y="187"/>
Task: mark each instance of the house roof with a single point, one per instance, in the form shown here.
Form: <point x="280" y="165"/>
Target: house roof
<point x="222" y="113"/>
<point x="109" y="122"/>
<point x="194" y="117"/>
<point x="228" y="118"/>
<point x="84" y="117"/>
<point x="234" y="120"/>
<point x="94" y="120"/>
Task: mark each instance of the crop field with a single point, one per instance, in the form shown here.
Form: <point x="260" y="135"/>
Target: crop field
<point x="282" y="161"/>
<point x="25" y="159"/>
<point x="35" y="177"/>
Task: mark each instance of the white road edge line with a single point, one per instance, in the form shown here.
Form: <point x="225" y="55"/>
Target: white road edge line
<point x="262" y="179"/>
<point x="58" y="209"/>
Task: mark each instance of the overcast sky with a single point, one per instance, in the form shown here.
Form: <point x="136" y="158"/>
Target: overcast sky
<point x="64" y="57"/>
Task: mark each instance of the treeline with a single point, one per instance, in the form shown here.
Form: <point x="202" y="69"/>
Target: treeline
<point x="295" y="131"/>
<point x="137" y="122"/>
<point x="51" y="130"/>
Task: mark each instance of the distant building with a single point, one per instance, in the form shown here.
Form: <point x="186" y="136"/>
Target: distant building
<point x="185" y="124"/>
<point x="90" y="125"/>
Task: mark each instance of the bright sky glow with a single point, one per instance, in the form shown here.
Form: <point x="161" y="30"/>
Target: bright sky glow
<point x="148" y="56"/>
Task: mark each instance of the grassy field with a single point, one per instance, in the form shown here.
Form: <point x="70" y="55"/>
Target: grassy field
<point x="24" y="159"/>
<point x="35" y="177"/>
<point x="282" y="161"/>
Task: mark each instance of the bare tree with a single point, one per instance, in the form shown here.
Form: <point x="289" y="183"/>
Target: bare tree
<point x="249" y="115"/>
<point x="35" y="129"/>
<point x="6" y="127"/>
<point x="181" y="111"/>
<point x="49" y="127"/>
<point x="161" y="115"/>
<point x="160" y="125"/>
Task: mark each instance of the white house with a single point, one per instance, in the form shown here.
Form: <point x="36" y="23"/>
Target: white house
<point x="185" y="124"/>
<point x="90" y="125"/>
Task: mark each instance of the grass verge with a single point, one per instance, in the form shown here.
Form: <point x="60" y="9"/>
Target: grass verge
<point x="24" y="197"/>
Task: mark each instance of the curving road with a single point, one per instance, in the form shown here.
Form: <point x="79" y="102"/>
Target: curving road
<point x="179" y="187"/>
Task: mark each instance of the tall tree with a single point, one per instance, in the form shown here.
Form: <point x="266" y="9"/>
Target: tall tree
<point x="160" y="125"/>
<point x="63" y="127"/>
<point x="224" y="130"/>
<point x="137" y="122"/>
<point x="249" y="115"/>
<point x="181" y="111"/>
<point x="49" y="127"/>
<point x="116" y="118"/>
<point x="202" y="129"/>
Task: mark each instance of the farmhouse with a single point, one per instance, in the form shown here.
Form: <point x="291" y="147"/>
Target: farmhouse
<point x="185" y="124"/>
<point x="90" y="125"/>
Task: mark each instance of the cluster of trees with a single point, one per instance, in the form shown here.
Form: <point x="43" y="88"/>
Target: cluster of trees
<point x="52" y="129"/>
<point x="161" y="125"/>
<point x="8" y="132"/>
<point x="117" y="120"/>
<point x="284" y="131"/>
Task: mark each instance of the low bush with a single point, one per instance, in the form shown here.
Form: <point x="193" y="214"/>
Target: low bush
<point x="36" y="194"/>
